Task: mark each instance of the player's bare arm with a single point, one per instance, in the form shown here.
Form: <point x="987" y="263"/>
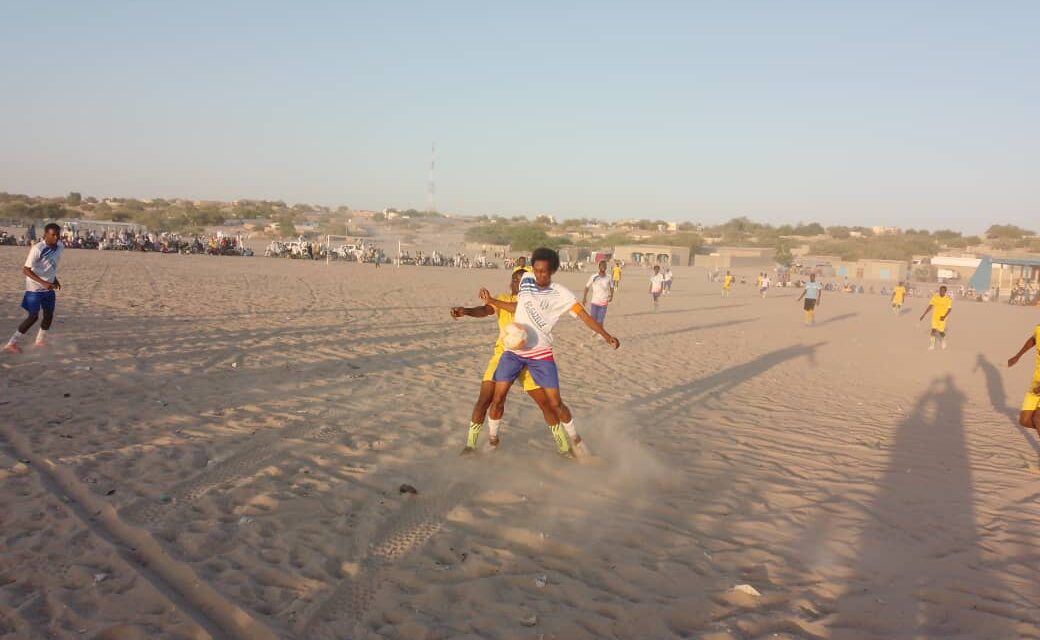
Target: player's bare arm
<point x="482" y="311"/>
<point x="28" y="273"/>
<point x="926" y="310"/>
<point x="488" y="299"/>
<point x="591" y="323"/>
<point x="1029" y="344"/>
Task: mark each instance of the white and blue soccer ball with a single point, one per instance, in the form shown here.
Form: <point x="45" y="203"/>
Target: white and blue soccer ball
<point x="514" y="336"/>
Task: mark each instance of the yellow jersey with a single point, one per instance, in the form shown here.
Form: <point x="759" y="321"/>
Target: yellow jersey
<point x="504" y="318"/>
<point x="615" y="273"/>
<point x="727" y="282"/>
<point x="941" y="305"/>
<point x="898" y="295"/>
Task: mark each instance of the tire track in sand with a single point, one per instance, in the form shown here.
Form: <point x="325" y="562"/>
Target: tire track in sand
<point x="245" y="462"/>
<point x="185" y="590"/>
<point x="409" y="530"/>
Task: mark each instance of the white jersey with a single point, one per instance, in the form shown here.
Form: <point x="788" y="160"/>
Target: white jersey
<point x="601" y="287"/>
<point x="656" y="282"/>
<point x="765" y="283"/>
<point x="43" y="261"/>
<point x="668" y="276"/>
<point x="537" y="310"/>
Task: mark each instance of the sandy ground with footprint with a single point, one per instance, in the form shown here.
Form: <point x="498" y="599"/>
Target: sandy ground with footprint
<point x="214" y="448"/>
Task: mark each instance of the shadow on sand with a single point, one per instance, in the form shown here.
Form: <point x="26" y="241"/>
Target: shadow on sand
<point x="998" y="398"/>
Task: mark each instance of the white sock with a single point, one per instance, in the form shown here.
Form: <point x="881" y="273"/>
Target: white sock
<point x="18" y="335"/>
<point x="569" y="428"/>
<point x="493" y="426"/>
<point x="40" y="335"/>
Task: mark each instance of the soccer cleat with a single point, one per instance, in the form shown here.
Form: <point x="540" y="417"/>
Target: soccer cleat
<point x="12" y="348"/>
<point x="467" y="451"/>
<point x="563" y="445"/>
<point x="474" y="433"/>
<point x="493" y="442"/>
<point x="40" y="345"/>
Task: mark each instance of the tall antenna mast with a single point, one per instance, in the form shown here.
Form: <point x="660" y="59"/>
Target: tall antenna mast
<point x="431" y="206"/>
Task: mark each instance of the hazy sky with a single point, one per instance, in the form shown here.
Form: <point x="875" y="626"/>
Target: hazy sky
<point x="907" y="113"/>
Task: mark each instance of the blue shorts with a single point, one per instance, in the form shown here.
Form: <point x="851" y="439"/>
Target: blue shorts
<point x="598" y="312"/>
<point x="543" y="371"/>
<point x="33" y="301"/>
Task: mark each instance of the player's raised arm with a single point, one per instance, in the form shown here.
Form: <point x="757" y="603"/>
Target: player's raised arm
<point x="488" y="299"/>
<point x="1029" y="344"/>
<point x="591" y="323"/>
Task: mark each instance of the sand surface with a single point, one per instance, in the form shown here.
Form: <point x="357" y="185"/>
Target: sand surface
<point x="215" y="447"/>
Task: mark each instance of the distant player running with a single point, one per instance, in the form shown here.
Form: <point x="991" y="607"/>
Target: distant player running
<point x="813" y="294"/>
<point x="763" y="285"/>
<point x="487" y="385"/>
<point x="667" y="281"/>
<point x="1028" y="416"/>
<point x="941" y="305"/>
<point x="615" y="275"/>
<point x="539" y="305"/>
<point x="602" y="293"/>
<point x="898" y="297"/>
<point x="41" y="281"/>
<point x="656" y="286"/>
<point x="727" y="284"/>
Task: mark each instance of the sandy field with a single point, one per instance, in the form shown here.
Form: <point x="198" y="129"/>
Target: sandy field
<point x="213" y="448"/>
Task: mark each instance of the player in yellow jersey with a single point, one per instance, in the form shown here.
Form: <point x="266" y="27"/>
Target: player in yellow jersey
<point x="487" y="385"/>
<point x="615" y="276"/>
<point x="1028" y="417"/>
<point x="940" y="305"/>
<point x="727" y="284"/>
<point x="898" y="297"/>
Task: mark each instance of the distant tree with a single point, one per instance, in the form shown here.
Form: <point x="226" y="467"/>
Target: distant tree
<point x="783" y="255"/>
<point x="811" y="229"/>
<point x="286" y="225"/>
<point x="839" y="233"/>
<point x="74" y="199"/>
<point x="1006" y="231"/>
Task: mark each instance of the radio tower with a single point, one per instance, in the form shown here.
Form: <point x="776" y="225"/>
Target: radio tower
<point x="431" y="206"/>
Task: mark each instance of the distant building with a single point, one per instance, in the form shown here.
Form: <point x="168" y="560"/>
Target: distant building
<point x="724" y="258"/>
<point x="652" y="254"/>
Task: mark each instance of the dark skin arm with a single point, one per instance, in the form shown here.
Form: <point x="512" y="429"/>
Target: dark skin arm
<point x="487" y="299"/>
<point x="926" y="310"/>
<point x="591" y="323"/>
<point x="482" y="311"/>
<point x="28" y="273"/>
<point x="1029" y="344"/>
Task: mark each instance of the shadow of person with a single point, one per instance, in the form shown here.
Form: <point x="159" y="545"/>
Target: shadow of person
<point x="998" y="398"/>
<point x="918" y="569"/>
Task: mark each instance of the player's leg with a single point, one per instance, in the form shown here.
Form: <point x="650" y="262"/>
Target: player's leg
<point x="31" y="305"/>
<point x="48" y="318"/>
<point x="480" y="410"/>
<point x="547" y="377"/>
<point x="931" y="340"/>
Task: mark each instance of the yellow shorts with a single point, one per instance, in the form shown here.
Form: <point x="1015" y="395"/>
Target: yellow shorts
<point x="1032" y="401"/>
<point x="939" y="325"/>
<point x="525" y="375"/>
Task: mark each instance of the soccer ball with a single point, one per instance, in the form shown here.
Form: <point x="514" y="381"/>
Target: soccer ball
<point x="514" y="336"/>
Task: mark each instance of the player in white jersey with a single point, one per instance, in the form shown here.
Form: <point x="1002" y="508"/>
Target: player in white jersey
<point x="602" y="293"/>
<point x="656" y="285"/>
<point x="539" y="305"/>
<point x="41" y="281"/>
